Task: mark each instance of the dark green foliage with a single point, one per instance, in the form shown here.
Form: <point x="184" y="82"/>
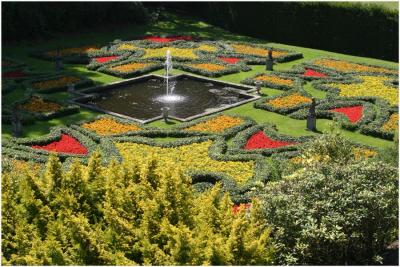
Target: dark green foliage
<point x="83" y="82"/>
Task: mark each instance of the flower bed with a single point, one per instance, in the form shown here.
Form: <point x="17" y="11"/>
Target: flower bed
<point x="276" y="80"/>
<point x="230" y="60"/>
<point x="39" y="105"/>
<point x="167" y="39"/>
<point x="313" y="73"/>
<point x="392" y="124"/>
<point x="209" y="69"/>
<point x="75" y="55"/>
<point x="176" y="53"/>
<point x="385" y="125"/>
<point x="351" y="67"/>
<point x="56" y="83"/>
<point x="66" y="144"/>
<point x="353" y="113"/>
<point x="363" y="87"/>
<point x="10" y="64"/>
<point x="259" y="141"/>
<point x="130" y="68"/>
<point x="14" y="74"/>
<point x="105" y="59"/>
<point x="289" y="101"/>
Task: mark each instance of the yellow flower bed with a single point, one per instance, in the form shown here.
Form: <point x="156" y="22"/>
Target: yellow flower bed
<point x="130" y="67"/>
<point x="371" y="86"/>
<point x="361" y="153"/>
<point x="275" y="80"/>
<point x="208" y="48"/>
<point x="289" y="101"/>
<point x="55" y="83"/>
<point x="216" y="125"/>
<point x="106" y="126"/>
<point x="193" y="157"/>
<point x="392" y="123"/>
<point x="175" y="52"/>
<point x="74" y="51"/>
<point x="127" y="47"/>
<point x="38" y="105"/>
<point x="207" y="66"/>
<point x="345" y="66"/>
<point x="256" y="51"/>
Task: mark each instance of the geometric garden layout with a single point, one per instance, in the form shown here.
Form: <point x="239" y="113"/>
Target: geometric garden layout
<point x="359" y="96"/>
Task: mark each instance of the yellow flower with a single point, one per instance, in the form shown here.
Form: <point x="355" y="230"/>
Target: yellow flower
<point x="346" y="66"/>
<point x="362" y="153"/>
<point x="256" y="51"/>
<point x="55" y="83"/>
<point x="208" y="48"/>
<point x="216" y="125"/>
<point x="392" y="123"/>
<point x="106" y="126"/>
<point x="207" y="66"/>
<point x="175" y="52"/>
<point x="370" y="86"/>
<point x="289" y="101"/>
<point x="275" y="79"/>
<point x="130" y="67"/>
<point x="127" y="47"/>
<point x="193" y="157"/>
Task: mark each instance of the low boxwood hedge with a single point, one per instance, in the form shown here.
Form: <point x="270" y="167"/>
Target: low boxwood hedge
<point x="94" y="64"/>
<point x="7" y="86"/>
<point x="375" y="128"/>
<point x="240" y="141"/>
<point x="74" y="57"/>
<point x="299" y="70"/>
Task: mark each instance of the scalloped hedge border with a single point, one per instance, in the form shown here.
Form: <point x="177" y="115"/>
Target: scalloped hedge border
<point x="240" y="140"/>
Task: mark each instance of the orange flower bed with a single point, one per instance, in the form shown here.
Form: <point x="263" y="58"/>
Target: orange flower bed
<point x="37" y="104"/>
<point x="55" y="83"/>
<point x="256" y="51"/>
<point x="216" y="125"/>
<point x="275" y="80"/>
<point x="106" y="126"/>
<point x="289" y="101"/>
<point x="207" y="66"/>
<point x="73" y="51"/>
<point x="130" y="67"/>
<point x="392" y="123"/>
<point x="345" y="66"/>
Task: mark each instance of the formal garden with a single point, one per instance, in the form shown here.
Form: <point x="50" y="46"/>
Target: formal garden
<point x="176" y="142"/>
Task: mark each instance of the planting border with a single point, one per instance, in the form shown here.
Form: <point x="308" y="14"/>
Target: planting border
<point x="94" y="65"/>
<point x="74" y="58"/>
<point x="375" y="128"/>
<point x="252" y="80"/>
<point x="154" y="65"/>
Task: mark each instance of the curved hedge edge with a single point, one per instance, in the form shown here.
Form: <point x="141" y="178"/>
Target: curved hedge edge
<point x="311" y="63"/>
<point x="262" y="103"/>
<point x="78" y="126"/>
<point x="247" y="122"/>
<point x="94" y="65"/>
<point x="29" y="74"/>
<point x="375" y="128"/>
<point x="83" y="82"/>
<point x="240" y="140"/>
<point x="24" y="144"/>
<point x="216" y="152"/>
<point x="280" y="74"/>
<point x="65" y="109"/>
<point x="153" y="65"/>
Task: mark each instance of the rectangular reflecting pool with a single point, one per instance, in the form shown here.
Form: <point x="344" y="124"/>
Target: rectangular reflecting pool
<point x="142" y="98"/>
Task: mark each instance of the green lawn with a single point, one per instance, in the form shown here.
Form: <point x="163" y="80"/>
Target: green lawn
<point x="174" y="25"/>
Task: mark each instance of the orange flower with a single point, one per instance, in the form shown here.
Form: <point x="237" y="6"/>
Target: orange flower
<point x="55" y="83"/>
<point x="208" y="67"/>
<point x="216" y="125"/>
<point x="289" y="101"/>
<point x="256" y="51"/>
<point x="130" y="67"/>
<point x="275" y="79"/>
<point x="106" y="126"/>
<point x="37" y="104"/>
<point x="345" y="66"/>
<point x="74" y="51"/>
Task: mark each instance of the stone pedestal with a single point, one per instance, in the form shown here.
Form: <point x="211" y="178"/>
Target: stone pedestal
<point x="59" y="64"/>
<point x="165" y="113"/>
<point x="269" y="65"/>
<point x="312" y="123"/>
<point x="258" y="87"/>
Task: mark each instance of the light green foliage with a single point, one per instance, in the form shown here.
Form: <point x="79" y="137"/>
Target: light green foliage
<point x="333" y="209"/>
<point x="124" y="214"/>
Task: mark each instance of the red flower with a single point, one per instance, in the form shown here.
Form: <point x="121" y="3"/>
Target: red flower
<point x="14" y="74"/>
<point x="353" y="113"/>
<point x="230" y="60"/>
<point x="260" y="140"/>
<point x="67" y="144"/>
<point x="313" y="73"/>
<point x="240" y="207"/>
<point x="167" y="39"/>
<point x="105" y="59"/>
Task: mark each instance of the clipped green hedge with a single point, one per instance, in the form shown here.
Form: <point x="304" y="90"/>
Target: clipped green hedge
<point x="83" y="82"/>
<point x="247" y="122"/>
<point x="66" y="109"/>
<point x="7" y="86"/>
<point x="240" y="140"/>
<point x="375" y="128"/>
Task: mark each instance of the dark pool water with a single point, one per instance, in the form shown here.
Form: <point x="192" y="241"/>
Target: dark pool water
<point x="143" y="100"/>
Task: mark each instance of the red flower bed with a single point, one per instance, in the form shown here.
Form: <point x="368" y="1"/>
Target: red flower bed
<point x="260" y="140"/>
<point x="167" y="39"/>
<point x="353" y="113"/>
<point x="105" y="59"/>
<point x="230" y="60"/>
<point x="241" y="207"/>
<point x="313" y="73"/>
<point x="67" y="144"/>
<point x="14" y="74"/>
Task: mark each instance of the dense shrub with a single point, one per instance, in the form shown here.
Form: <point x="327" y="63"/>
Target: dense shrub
<point x="123" y="215"/>
<point x="334" y="209"/>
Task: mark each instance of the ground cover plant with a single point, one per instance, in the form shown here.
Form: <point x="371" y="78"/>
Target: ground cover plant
<point x="222" y="189"/>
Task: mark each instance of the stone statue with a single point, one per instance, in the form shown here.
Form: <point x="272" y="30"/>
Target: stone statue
<point x="16" y="125"/>
<point x="270" y="60"/>
<point x="312" y="117"/>
<point x="58" y="60"/>
<point x="165" y="113"/>
<point x="258" y="87"/>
